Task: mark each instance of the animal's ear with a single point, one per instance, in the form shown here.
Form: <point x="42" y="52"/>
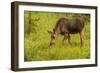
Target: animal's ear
<point x="49" y="31"/>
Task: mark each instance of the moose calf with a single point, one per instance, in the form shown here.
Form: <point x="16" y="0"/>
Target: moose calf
<point x="66" y="27"/>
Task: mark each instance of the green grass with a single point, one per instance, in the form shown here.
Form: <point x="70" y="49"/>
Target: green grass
<point x="36" y="44"/>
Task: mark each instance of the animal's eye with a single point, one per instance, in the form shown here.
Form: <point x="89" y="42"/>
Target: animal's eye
<point x="53" y="37"/>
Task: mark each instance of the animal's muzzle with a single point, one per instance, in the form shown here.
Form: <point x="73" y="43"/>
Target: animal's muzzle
<point x="52" y="44"/>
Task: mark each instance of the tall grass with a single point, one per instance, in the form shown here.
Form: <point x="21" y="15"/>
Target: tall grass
<point x="36" y="43"/>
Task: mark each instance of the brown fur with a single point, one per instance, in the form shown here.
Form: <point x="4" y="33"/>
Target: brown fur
<point x="66" y="27"/>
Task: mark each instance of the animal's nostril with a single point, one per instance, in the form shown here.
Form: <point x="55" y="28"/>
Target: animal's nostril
<point x="50" y="44"/>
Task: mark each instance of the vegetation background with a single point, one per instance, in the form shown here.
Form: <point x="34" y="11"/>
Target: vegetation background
<point x="37" y="39"/>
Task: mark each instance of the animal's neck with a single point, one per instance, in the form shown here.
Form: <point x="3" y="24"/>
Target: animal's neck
<point x="56" y="30"/>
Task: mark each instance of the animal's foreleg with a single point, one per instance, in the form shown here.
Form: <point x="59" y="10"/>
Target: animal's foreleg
<point x="69" y="40"/>
<point x="64" y="39"/>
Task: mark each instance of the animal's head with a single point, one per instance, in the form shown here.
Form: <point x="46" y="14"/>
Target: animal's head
<point x="53" y="36"/>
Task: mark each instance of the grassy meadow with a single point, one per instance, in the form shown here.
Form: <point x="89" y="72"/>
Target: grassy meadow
<point x="37" y="39"/>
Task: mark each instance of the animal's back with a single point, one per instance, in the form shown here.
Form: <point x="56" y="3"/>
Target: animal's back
<point x="75" y="25"/>
<point x="70" y="25"/>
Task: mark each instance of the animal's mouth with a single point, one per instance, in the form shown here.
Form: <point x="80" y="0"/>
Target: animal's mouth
<point x="52" y="44"/>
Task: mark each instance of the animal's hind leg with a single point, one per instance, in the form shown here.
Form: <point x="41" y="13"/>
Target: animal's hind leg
<point x="69" y="39"/>
<point x="82" y="38"/>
